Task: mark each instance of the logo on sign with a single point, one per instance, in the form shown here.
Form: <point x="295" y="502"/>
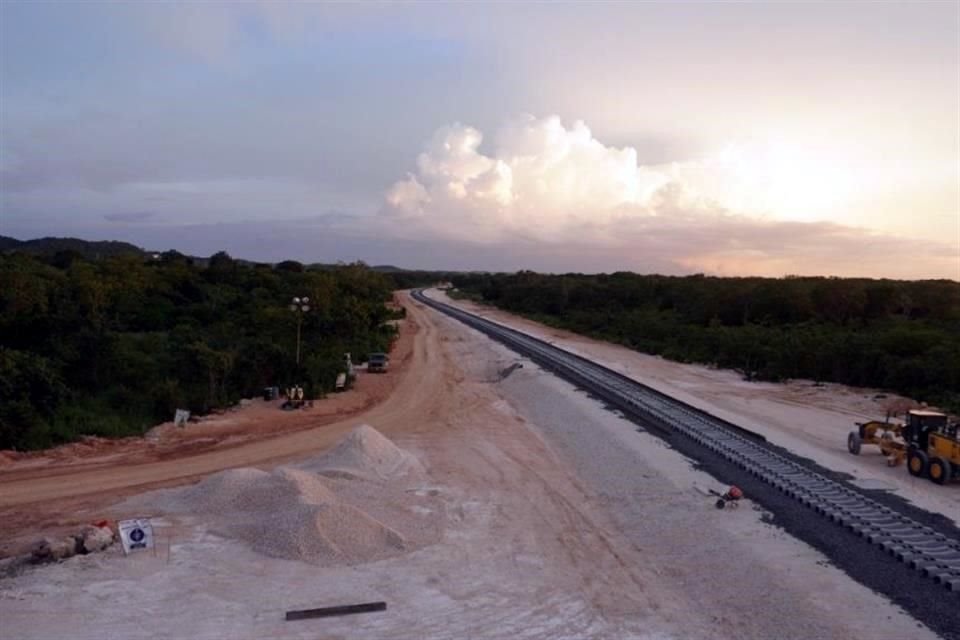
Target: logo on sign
<point x="136" y="534"/>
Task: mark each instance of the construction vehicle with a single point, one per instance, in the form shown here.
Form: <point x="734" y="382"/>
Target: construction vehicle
<point x="927" y="441"/>
<point x="887" y="435"/>
<point x="934" y="448"/>
<point x="295" y="399"/>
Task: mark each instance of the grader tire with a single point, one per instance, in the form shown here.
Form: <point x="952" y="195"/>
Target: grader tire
<point x="939" y="470"/>
<point x="917" y="463"/>
<point x="853" y="443"/>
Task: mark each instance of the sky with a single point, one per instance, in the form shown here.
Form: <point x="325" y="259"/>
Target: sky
<point x="741" y="138"/>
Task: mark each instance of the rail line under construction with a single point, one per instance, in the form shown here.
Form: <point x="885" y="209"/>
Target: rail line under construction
<point x="928" y="552"/>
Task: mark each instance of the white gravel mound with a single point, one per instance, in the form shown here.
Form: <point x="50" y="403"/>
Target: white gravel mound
<point x="367" y="453"/>
<point x="348" y="506"/>
<point x="289" y="513"/>
<point x="293" y="514"/>
<point x="227" y="490"/>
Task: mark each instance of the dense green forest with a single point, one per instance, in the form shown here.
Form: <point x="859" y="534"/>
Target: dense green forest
<point x="112" y="346"/>
<point x="895" y="335"/>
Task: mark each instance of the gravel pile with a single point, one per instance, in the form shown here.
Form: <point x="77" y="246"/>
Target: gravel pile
<point x="367" y="453"/>
<point x="290" y="513"/>
<point x="350" y="517"/>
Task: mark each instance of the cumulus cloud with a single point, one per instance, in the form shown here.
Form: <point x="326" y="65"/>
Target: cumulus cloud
<point x="559" y="190"/>
<point x="541" y="179"/>
<point x="451" y="171"/>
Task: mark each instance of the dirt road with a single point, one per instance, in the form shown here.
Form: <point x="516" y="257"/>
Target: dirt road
<point x="55" y="491"/>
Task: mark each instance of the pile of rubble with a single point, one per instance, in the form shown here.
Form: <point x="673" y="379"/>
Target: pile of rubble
<point x="90" y="539"/>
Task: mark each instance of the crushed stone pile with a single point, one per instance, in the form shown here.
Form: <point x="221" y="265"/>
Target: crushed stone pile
<point x="345" y="507"/>
<point x="291" y="513"/>
<point x="367" y="453"/>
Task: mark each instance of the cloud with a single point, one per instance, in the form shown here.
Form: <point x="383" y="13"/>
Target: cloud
<point x="133" y="216"/>
<point x="542" y="179"/>
<point x="547" y="189"/>
<point x="736" y="245"/>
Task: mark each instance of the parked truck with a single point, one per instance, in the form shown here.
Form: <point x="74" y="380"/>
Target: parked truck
<point x="377" y="362"/>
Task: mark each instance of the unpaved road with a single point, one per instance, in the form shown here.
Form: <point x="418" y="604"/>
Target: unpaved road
<point x="562" y="522"/>
<point x="55" y="492"/>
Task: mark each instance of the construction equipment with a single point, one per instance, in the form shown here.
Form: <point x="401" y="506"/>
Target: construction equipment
<point x="934" y="449"/>
<point x="295" y="399"/>
<point x="927" y="440"/>
<point x="887" y="435"/>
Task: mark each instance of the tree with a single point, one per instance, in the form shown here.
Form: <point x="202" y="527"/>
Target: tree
<point x="127" y="339"/>
<point x="855" y="331"/>
<point x="290" y="265"/>
<point x="30" y="393"/>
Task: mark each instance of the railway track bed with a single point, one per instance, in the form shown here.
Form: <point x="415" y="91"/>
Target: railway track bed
<point x="875" y="537"/>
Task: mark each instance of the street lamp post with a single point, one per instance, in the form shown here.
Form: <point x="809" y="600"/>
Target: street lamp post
<point x="299" y="306"/>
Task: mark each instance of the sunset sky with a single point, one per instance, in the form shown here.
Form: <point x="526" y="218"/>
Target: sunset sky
<point x="726" y="138"/>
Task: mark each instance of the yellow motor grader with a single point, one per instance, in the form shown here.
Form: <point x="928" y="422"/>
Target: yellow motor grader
<point x="927" y="441"/>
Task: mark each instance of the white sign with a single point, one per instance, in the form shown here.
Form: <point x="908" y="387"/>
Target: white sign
<point x="180" y="417"/>
<point x="136" y="534"/>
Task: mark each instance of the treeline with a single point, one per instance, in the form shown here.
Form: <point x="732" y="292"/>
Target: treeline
<point x="895" y="335"/>
<point x="409" y="279"/>
<point x="110" y="347"/>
